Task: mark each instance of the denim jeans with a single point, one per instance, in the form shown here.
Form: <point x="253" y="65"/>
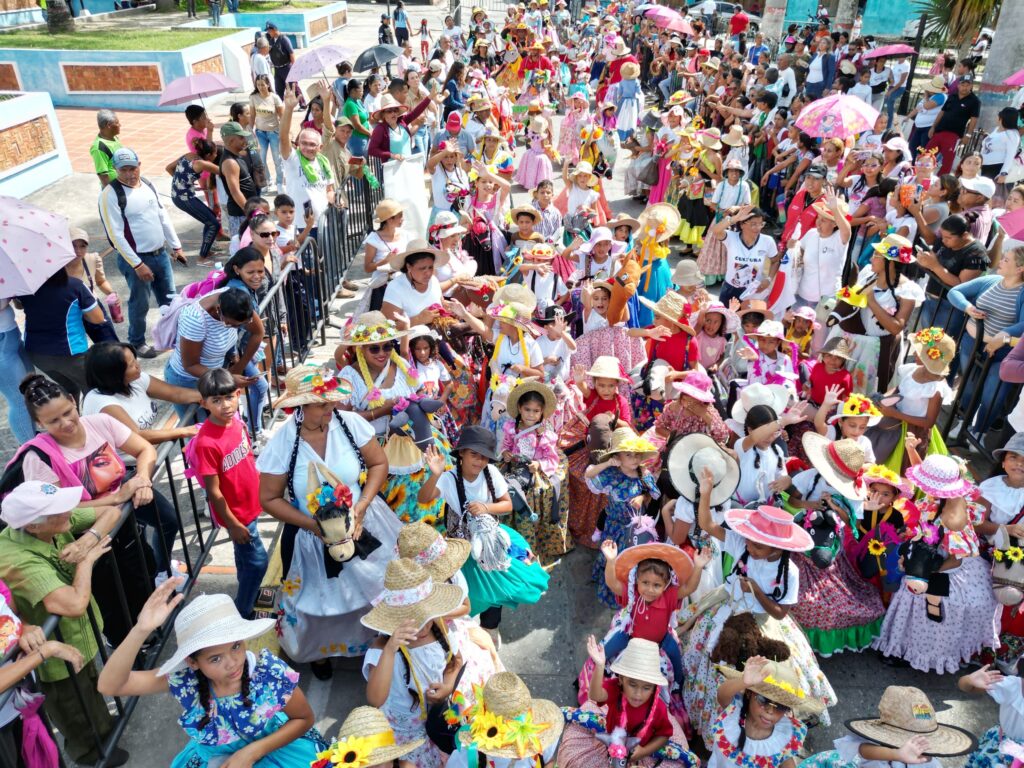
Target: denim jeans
<point x="270" y="140"/>
<point x="251" y="565"/>
<point x="162" y="287"/>
<point x="617" y="643"/>
<point x="421" y="141"/>
<point x="992" y="388"/>
<point x="358" y="145"/>
<point x="215" y="14"/>
<point x="201" y="212"/>
<point x="187" y="381"/>
<point x="255" y="397"/>
<point x="891" y="100"/>
<point x="15" y="364"/>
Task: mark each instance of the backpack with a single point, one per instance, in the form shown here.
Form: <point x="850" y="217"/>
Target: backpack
<point x="122" y="203"/>
<point x="165" y="332"/>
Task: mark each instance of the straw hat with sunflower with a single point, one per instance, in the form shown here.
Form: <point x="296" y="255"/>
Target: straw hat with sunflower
<point x="365" y="739"/>
<point x="312" y="385"/>
<point x="507" y="722"/>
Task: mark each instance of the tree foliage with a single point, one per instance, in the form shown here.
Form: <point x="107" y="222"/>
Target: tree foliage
<point x="958" y="20"/>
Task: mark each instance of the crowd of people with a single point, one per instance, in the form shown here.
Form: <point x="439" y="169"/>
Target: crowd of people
<point x="757" y="465"/>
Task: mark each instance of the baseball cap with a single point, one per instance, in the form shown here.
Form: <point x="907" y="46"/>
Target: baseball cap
<point x="77" y="233"/>
<point x="979" y="185"/>
<point x="968" y="78"/>
<point x="342" y="122"/>
<point x="270" y="25"/>
<point x="818" y="170"/>
<point x="454" y="122"/>
<point x="33" y="499"/>
<point x="233" y="128"/>
<point x="435" y="65"/>
<point x="124" y="157"/>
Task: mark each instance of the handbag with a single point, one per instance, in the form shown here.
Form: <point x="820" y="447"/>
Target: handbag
<point x="440" y="730"/>
<point x="647" y="170"/>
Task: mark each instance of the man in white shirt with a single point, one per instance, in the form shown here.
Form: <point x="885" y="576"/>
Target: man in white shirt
<point x="260" y="60"/>
<point x="900" y="71"/>
<point x="823" y="252"/>
<point x="307" y="172"/>
<point x="787" y="80"/>
<point x="139" y="228"/>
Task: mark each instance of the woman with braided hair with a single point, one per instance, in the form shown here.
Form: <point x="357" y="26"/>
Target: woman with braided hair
<point x="239" y="707"/>
<point x="322" y="599"/>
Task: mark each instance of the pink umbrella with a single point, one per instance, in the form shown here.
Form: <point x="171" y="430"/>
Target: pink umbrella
<point x="836" y="116"/>
<point x="34" y="244"/>
<point x="1013" y="223"/>
<point x="897" y="49"/>
<point x="666" y="17"/>
<point x="316" y="62"/>
<point x="680" y="25"/>
<point x="1017" y="78"/>
<point x="187" y="89"/>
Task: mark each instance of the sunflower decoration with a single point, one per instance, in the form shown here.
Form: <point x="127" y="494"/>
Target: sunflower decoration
<point x="876" y="548"/>
<point x="488" y="731"/>
<point x="1015" y="554"/>
<point x="353" y="752"/>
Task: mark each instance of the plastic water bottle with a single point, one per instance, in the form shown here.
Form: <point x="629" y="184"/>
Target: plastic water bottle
<point x="114" y="305"/>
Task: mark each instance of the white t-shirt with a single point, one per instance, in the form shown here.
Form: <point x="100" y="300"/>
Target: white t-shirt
<point x="899" y="72"/>
<point x="823" y="261"/>
<point x="300" y="189"/>
<point x="786" y="77"/>
<point x="879" y="77"/>
<point x="557" y="348"/>
<point x="511" y="354"/>
<point x="1007" y="694"/>
<point x="753" y="485"/>
<point x="1005" y="502"/>
<point x="761" y="572"/>
<point x="400" y="293"/>
<point x="475" y="491"/>
<point x="433" y="373"/>
<point x="743" y="263"/>
<point x="139" y="406"/>
<point x="862" y="91"/>
<point x="546" y="288"/>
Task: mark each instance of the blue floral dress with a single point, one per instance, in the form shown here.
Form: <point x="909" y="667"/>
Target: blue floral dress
<point x="620" y="490"/>
<point x="233" y="725"/>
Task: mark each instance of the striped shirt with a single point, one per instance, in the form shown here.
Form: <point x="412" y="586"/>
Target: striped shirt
<point x="1000" y="307"/>
<point x="196" y="324"/>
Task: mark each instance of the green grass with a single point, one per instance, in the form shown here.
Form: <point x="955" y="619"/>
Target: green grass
<point x="113" y="40"/>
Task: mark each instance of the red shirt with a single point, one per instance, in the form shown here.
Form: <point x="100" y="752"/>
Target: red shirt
<point x="650" y="620"/>
<point x="225" y="452"/>
<point x="594" y="405"/>
<point x="738" y="23"/>
<point x="635" y="716"/>
<point x="615" y="68"/>
<point x="800" y="210"/>
<point x="821" y="380"/>
<point x="541" y="62"/>
<point x="679" y="350"/>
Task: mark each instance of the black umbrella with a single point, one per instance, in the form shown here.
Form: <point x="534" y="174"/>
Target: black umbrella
<point x="377" y="56"/>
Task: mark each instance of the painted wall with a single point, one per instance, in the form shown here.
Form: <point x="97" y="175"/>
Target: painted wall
<point x="297" y="25"/>
<point x="886" y="18"/>
<point x="35" y="15"/>
<point x="40" y="171"/>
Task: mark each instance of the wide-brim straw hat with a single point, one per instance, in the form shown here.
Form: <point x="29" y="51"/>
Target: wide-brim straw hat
<point x="620" y="49"/>
<point x="528" y="210"/>
<point x="387" y="102"/>
<point x="441" y="557"/>
<point x="905" y="712"/>
<point x="403" y="455"/>
<point x="856" y="405"/>
<point x="936" y="348"/>
<point x="676" y="559"/>
<point x="940" y="477"/>
<point x="387" y="209"/>
<point x="693" y="453"/>
<point x="311" y="385"/>
<point x="417" y="247"/>
<point x="207" y="621"/>
<point x="622" y="220"/>
<point x="410" y="594"/>
<point x="513" y="303"/>
<point x="821" y="209"/>
<point x="630" y="71"/>
<point x="838" y="461"/>
<point x="640" y="661"/>
<point x="659" y="221"/>
<point x="783" y="687"/>
<point x="755" y="305"/>
<point x="770" y="526"/>
<point x="935" y="85"/>
<point x="625" y="440"/>
<point x="371" y="328"/>
<point x="671" y="307"/>
<point x="895" y="248"/>
<point x="710" y="138"/>
<point x="687" y="273"/>
<point x="366" y="726"/>
<point x="607" y="367"/>
<point x="520" y="390"/>
<point x="711" y="63"/>
<point x="735" y="137"/>
<point x="505" y="699"/>
<point x="840" y="346"/>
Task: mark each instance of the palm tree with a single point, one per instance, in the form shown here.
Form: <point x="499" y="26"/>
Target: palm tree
<point x="1004" y="58"/>
<point x="59" y="20"/>
<point x="958" y="20"/>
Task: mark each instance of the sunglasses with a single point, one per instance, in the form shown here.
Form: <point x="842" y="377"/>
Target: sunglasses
<point x="273" y="233"/>
<point x="375" y="349"/>
<point x="771" y="706"/>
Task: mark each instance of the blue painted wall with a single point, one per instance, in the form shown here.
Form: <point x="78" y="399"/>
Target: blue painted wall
<point x="886" y="18"/>
<point x="35" y="15"/>
<point x="41" y="172"/>
<point x="294" y="25"/>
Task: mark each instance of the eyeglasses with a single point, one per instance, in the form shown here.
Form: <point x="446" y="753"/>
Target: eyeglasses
<point x="375" y="349"/>
<point x="273" y="233"/>
<point x="771" y="706"/>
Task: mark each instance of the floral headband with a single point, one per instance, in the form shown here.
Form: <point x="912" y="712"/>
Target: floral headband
<point x="340" y="496"/>
<point x="353" y="751"/>
<point x="385" y="331"/>
<point x="929" y="340"/>
<point x="858" y="405"/>
<point x="878" y="473"/>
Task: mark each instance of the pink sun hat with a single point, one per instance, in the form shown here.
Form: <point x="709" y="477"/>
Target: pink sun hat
<point x="697" y="385"/>
<point x="770" y="526"/>
<point x="940" y="477"/>
<point x="808" y="313"/>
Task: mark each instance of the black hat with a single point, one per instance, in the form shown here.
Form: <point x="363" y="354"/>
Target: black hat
<point x="478" y="439"/>
<point x="270" y="25"/>
<point x="552" y="313"/>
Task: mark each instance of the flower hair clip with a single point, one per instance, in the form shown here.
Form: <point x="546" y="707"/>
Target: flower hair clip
<point x="901" y="254"/>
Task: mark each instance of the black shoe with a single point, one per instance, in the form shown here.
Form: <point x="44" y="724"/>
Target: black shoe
<point x="147" y="352"/>
<point x="933" y="616"/>
<point x="892" y="661"/>
<point x="322" y="670"/>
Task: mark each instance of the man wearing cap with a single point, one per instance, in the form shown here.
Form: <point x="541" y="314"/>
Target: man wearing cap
<point x="105" y="145"/>
<point x="958" y="118"/>
<point x="236" y="173"/>
<point x="975" y="195"/>
<point x="282" y="56"/>
<point x="50" y="572"/>
<point x="138" y="227"/>
<point x="454" y="132"/>
<point x="307" y="172"/>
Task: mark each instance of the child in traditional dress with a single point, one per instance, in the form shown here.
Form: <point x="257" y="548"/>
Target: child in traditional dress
<point x="714" y="325"/>
<point x="569" y="133"/>
<point x="774" y="361"/>
<point x="435" y="381"/>
<point x="848" y="421"/>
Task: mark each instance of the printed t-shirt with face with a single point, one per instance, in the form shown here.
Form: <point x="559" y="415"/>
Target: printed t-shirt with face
<point x="745" y="264"/>
<point x="96" y="464"/>
<point x="226" y="452"/>
<point x="761" y="572"/>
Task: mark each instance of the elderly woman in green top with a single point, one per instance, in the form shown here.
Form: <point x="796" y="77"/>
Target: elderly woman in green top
<point x="47" y="553"/>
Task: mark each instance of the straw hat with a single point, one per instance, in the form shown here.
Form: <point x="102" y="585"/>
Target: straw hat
<point x="625" y="440"/>
<point x="770" y="526"/>
<point x="525" y="210"/>
<point x="640" y="661"/>
<point x="607" y="367"/>
<point x="540" y="252"/>
<point x="441" y="557"/>
<point x="679" y="98"/>
<point x="514" y="303"/>
<point x="690" y="456"/>
<point x="936" y="349"/>
<point x="878" y="473"/>
<point x="370" y="328"/>
<point x="755" y="305"/>
<point x="538" y="125"/>
<point x="207" y="621"/>
<point x="310" y="385"/>
<point x="622" y="220"/>
<point x="387" y="102"/>
<point x="781" y="686"/>
<point x="935" y="85"/>
<point x="519" y="390"/>
<point x="660" y="221"/>
<point x="710" y="138"/>
<point x="940" y="477"/>
<point x="583" y="168"/>
<point x="821" y="208"/>
<point x="410" y="594"/>
<point x="630" y="71"/>
<point x="386" y="209"/>
<point x="670" y="554"/>
<point x="403" y="455"/>
<point x="895" y="248"/>
<point x="905" y="712"/>
<point x="839" y="461"/>
<point x="711" y="63"/>
<point x="366" y="738"/>
<point x="687" y="273"/>
<point x="620" y="48"/>
<point x="856" y="405"/>
<point x="735" y="136"/>
<point x="840" y="346"/>
<point x="506" y="701"/>
<point x="417" y="247"/>
<point x="671" y="307"/>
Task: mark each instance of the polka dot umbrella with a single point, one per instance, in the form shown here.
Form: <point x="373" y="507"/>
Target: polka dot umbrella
<point x="34" y="244"/>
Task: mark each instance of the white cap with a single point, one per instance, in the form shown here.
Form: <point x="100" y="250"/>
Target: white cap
<point x="34" y="499"/>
